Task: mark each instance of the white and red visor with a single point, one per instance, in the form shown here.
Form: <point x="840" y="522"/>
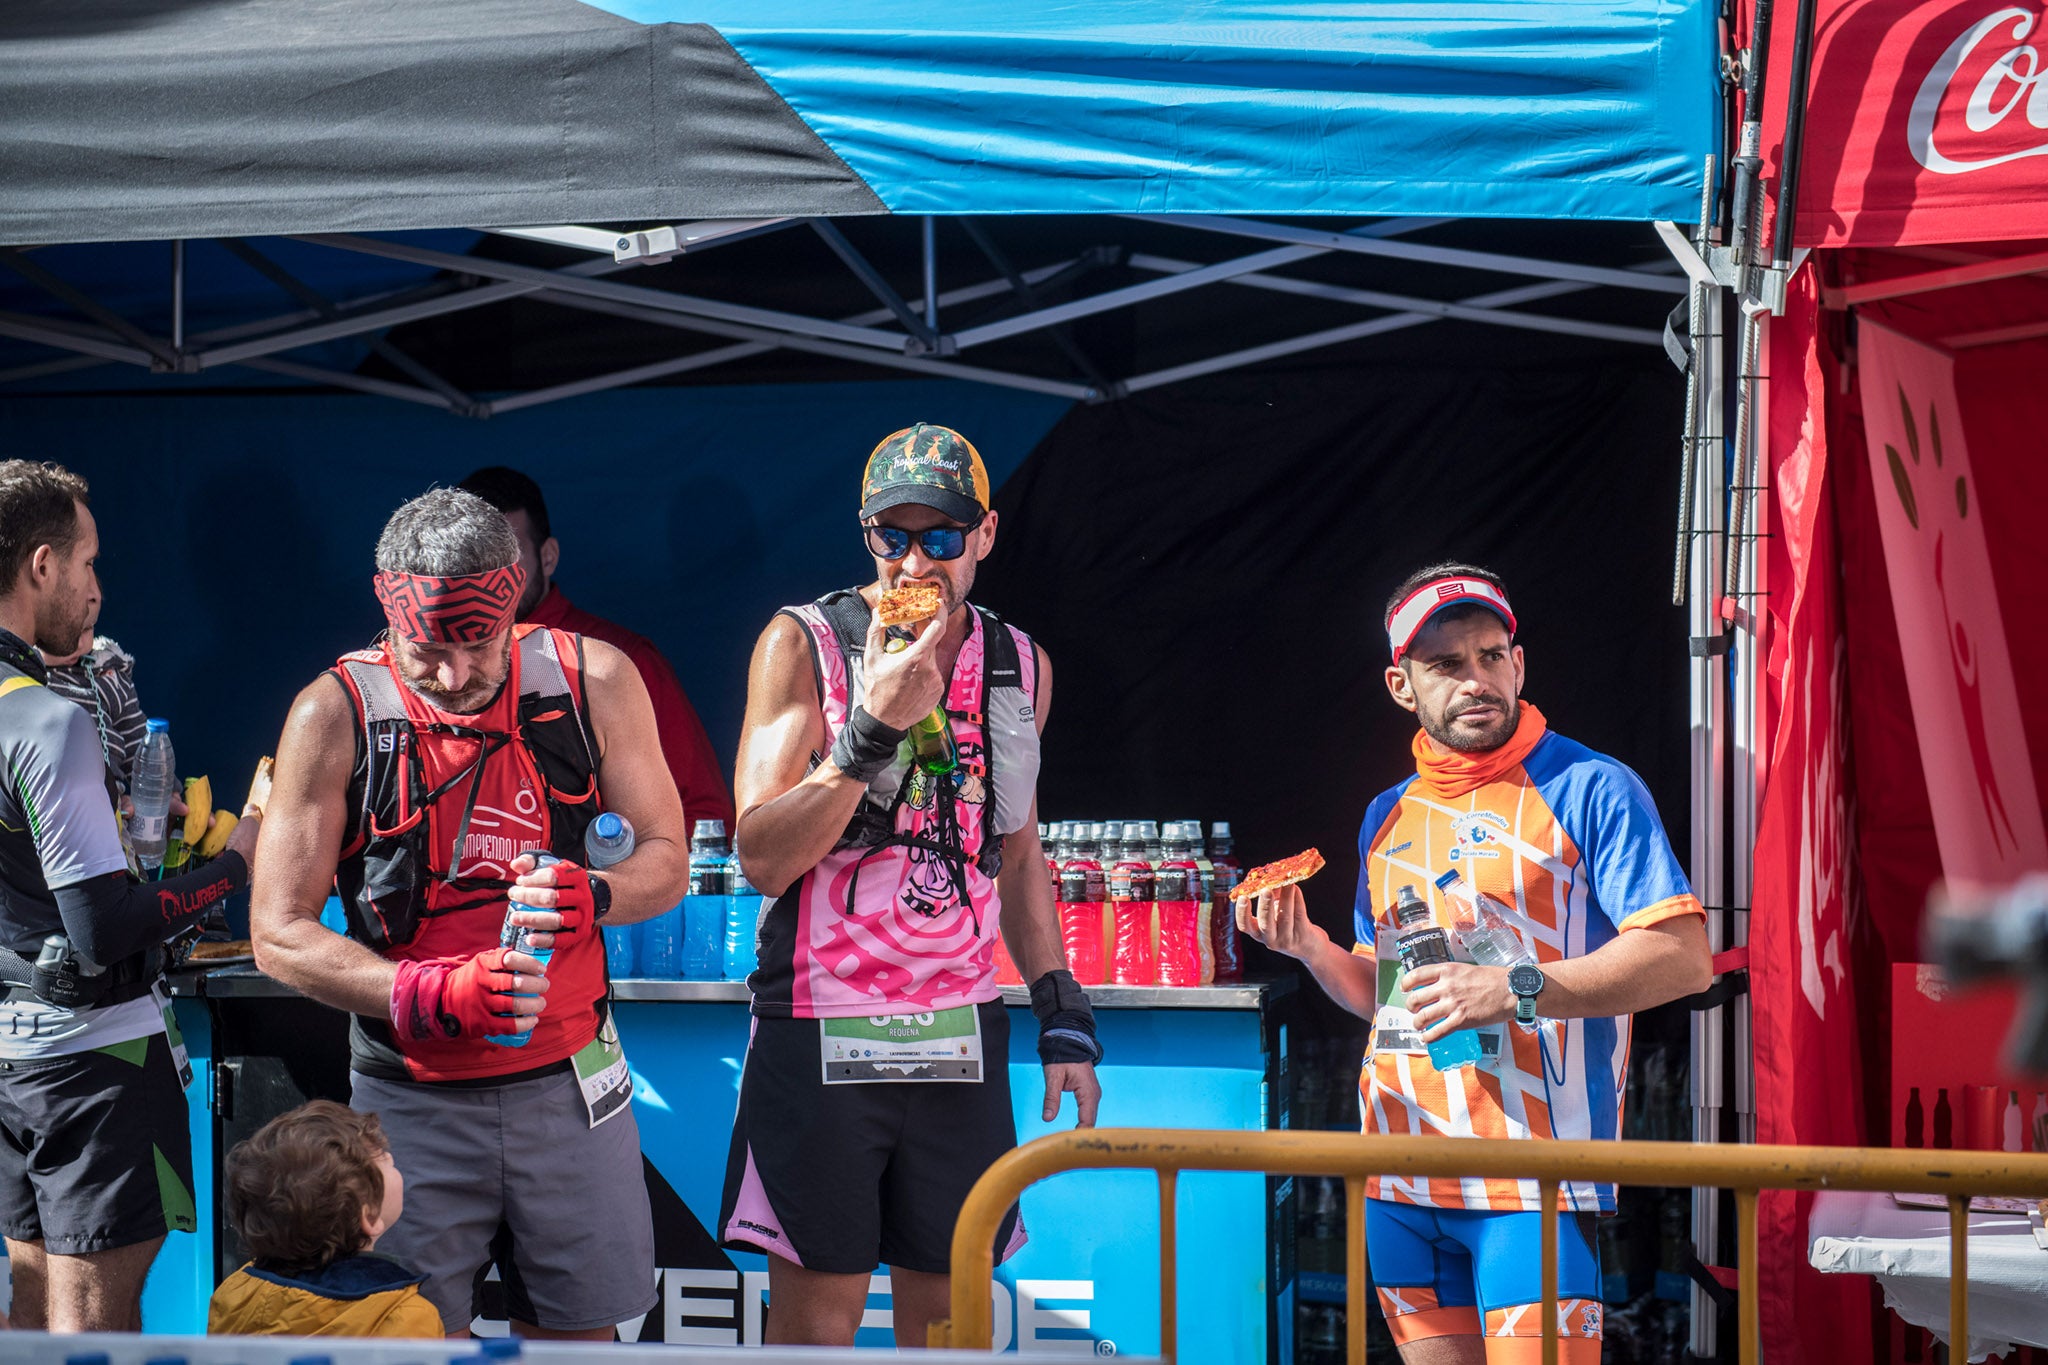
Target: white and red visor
<point x="1432" y="597"/>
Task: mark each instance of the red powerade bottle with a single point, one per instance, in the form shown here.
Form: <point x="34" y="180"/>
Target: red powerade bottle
<point x="1081" y="897"/>
<point x="1007" y="973"/>
<point x="1134" y="959"/>
<point x="1223" y="940"/>
<point x="1178" y="886"/>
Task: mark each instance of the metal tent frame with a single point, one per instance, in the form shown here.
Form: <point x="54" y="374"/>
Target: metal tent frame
<point x="903" y="333"/>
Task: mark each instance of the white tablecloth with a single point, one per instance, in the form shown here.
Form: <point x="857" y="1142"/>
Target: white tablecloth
<point x="1907" y="1251"/>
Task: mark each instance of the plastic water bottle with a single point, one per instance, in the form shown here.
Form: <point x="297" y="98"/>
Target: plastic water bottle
<point x="742" y="925"/>
<point x="609" y="840"/>
<point x="1484" y="932"/>
<point x="151" y="787"/>
<point x="1421" y="943"/>
<point x="705" y="905"/>
<point x="517" y="937"/>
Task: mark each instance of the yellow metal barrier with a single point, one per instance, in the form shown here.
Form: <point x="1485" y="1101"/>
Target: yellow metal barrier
<point x="1746" y="1170"/>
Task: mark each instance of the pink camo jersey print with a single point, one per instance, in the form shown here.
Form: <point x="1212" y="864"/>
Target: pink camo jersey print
<point x="909" y="942"/>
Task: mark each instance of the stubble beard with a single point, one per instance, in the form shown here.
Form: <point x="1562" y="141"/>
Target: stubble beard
<point x="1439" y="728"/>
<point x="61" y="623"/>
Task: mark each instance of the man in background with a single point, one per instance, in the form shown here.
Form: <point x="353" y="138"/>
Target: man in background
<point x="700" y="779"/>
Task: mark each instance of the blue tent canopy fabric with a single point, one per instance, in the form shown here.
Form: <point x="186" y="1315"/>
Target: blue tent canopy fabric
<point x="1486" y="108"/>
<point x="147" y="119"/>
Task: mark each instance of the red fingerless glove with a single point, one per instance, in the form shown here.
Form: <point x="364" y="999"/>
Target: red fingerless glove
<point x="453" y="997"/>
<point x="580" y="899"/>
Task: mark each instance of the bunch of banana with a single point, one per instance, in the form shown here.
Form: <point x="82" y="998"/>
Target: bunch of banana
<point x="206" y="829"/>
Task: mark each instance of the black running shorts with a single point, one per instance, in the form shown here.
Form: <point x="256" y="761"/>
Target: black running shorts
<point x="843" y="1178"/>
<point x="95" y="1149"/>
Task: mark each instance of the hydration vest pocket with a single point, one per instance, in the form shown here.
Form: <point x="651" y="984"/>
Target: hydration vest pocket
<point x="393" y="900"/>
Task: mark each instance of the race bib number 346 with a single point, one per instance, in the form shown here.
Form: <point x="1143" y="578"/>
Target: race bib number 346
<point x="940" y="1046"/>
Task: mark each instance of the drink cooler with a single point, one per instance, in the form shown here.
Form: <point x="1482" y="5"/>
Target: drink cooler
<point x="1087" y="1281"/>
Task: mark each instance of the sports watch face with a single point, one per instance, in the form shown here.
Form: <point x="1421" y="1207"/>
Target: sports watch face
<point x="1525" y="980"/>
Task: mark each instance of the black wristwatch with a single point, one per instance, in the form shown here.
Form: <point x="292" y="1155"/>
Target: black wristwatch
<point x="1525" y="979"/>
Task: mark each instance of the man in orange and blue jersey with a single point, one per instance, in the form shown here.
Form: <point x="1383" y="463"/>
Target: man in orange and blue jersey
<point x="1564" y="846"/>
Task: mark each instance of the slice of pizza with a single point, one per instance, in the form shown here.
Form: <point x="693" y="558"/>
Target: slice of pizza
<point x="909" y="602"/>
<point x="1286" y="872"/>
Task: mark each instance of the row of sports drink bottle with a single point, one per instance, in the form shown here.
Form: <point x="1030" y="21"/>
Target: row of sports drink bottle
<point x="709" y="935"/>
<point x="1142" y="905"/>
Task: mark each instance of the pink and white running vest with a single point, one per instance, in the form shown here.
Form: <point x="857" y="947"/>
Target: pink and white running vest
<point x="908" y="944"/>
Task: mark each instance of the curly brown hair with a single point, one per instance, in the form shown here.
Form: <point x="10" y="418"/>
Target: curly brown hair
<point x="297" y="1189"/>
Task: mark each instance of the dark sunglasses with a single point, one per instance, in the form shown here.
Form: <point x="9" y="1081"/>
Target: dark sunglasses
<point x="937" y="542"/>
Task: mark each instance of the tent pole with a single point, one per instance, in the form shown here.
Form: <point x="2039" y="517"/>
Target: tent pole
<point x="161" y="357"/>
<point x="926" y="339"/>
<point x="576" y="280"/>
<point x="1708" y="728"/>
<point x="1332" y="337"/>
<point x="1366" y="241"/>
<point x="1061" y="337"/>
<point x="1696" y="320"/>
<point x="1793" y="155"/>
<point x="704" y="360"/>
<point x="1748" y="164"/>
<point x="1495" y="315"/>
<point x="931" y="274"/>
<point x="458" y="401"/>
<point x="178" y="295"/>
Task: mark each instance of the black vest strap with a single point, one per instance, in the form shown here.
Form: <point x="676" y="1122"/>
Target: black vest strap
<point x="873" y="824"/>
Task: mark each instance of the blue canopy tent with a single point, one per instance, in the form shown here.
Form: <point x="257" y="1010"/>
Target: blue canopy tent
<point x="693" y="124"/>
<point x="233" y="193"/>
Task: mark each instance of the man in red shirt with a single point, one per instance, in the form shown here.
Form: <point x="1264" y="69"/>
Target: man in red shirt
<point x="687" y="748"/>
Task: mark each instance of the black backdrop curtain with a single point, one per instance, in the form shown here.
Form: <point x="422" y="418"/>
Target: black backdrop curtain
<point x="1207" y="568"/>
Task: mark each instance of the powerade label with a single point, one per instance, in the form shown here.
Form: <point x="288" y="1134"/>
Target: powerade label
<point x="1131" y="882"/>
<point x="1079" y="884"/>
<point x="1172" y="884"/>
<point x="1423" y="947"/>
<point x="708" y="878"/>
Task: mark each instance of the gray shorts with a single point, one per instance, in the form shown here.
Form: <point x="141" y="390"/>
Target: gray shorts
<point x="518" y="1161"/>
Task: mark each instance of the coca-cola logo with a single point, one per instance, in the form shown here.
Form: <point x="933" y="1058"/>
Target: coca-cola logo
<point x="2003" y="90"/>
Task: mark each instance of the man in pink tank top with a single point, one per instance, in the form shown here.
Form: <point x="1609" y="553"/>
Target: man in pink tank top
<point x="888" y="811"/>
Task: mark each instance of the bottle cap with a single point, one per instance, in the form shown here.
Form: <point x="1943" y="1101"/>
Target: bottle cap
<point x="156" y="725"/>
<point x="708" y="829"/>
<point x="1220" y="830"/>
<point x="1409" y="907"/>
<point x="609" y="827"/>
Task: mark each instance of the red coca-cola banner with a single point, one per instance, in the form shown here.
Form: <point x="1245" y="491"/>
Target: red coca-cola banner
<point x="1809" y="1024"/>
<point x="1925" y="122"/>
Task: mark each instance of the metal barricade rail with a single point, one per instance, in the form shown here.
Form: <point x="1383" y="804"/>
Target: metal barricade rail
<point x="1744" y="1169"/>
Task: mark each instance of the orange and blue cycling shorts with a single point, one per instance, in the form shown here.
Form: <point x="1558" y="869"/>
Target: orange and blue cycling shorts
<point x="1478" y="1272"/>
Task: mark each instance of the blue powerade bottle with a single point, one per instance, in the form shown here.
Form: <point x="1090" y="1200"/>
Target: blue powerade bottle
<point x="1421" y="943"/>
<point x="514" y="936"/>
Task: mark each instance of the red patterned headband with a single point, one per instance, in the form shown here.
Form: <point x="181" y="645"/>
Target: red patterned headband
<point x="451" y="611"/>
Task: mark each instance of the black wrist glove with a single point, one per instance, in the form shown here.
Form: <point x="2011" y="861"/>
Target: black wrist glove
<point x="865" y="747"/>
<point x="1066" y="1021"/>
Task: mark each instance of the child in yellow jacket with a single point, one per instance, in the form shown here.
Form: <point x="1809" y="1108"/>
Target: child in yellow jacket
<point x="310" y="1195"/>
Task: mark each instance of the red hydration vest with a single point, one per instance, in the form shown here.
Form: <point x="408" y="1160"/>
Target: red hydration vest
<point x="440" y="803"/>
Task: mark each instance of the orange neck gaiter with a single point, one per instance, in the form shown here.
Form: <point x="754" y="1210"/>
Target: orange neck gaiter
<point x="1446" y="775"/>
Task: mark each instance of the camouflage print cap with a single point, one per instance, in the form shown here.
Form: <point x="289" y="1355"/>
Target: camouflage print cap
<point x="933" y="466"/>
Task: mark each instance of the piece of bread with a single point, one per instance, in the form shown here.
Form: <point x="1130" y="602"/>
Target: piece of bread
<point x="910" y="602"/>
<point x="1286" y="872"/>
<point x="219" y="950"/>
<point x="259" y="786"/>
